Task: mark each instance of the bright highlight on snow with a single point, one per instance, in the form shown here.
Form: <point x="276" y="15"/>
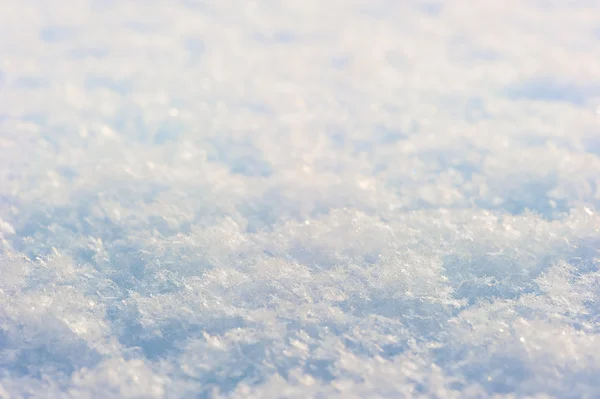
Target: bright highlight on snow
<point x="299" y="199"/>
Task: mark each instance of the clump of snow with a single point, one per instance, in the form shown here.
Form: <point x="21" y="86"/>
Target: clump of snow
<point x="299" y="199"/>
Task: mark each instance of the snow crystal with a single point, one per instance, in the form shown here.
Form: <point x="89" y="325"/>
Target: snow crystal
<point x="351" y="199"/>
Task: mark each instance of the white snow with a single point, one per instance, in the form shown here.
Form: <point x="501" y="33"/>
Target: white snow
<point x="265" y="199"/>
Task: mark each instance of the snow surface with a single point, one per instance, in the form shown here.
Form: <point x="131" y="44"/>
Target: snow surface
<point x="297" y="199"/>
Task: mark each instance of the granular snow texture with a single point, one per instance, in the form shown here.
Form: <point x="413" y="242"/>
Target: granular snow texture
<point x="299" y="199"/>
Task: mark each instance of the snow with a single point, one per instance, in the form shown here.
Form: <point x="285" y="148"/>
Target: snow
<point x="264" y="199"/>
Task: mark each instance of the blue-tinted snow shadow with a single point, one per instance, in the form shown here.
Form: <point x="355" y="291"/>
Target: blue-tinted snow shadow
<point x="56" y="349"/>
<point x="592" y="144"/>
<point x="530" y="195"/>
<point x="518" y="193"/>
<point x="476" y="110"/>
<point x="57" y="33"/>
<point x="486" y="278"/>
<point x="340" y="62"/>
<point x="29" y="82"/>
<point x="120" y="86"/>
<point x="431" y="8"/>
<point x="199" y="6"/>
<point x="424" y="318"/>
<point x="552" y="90"/>
<point x="196" y="49"/>
<point x="380" y="136"/>
<point x="241" y="156"/>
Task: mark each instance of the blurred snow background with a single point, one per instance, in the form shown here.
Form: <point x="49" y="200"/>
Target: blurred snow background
<point x="340" y="198"/>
